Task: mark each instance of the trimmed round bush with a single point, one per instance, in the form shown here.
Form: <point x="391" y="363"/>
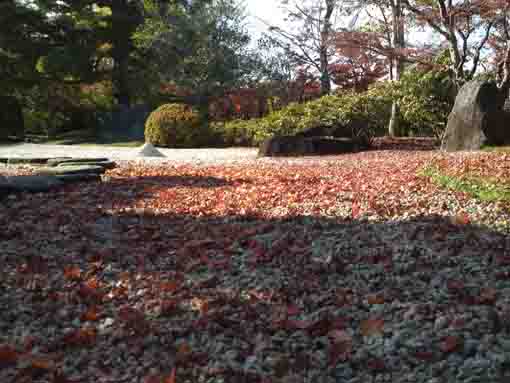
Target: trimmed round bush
<point x="174" y="126"/>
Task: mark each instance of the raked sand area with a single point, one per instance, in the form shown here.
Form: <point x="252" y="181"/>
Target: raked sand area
<point x="195" y="156"/>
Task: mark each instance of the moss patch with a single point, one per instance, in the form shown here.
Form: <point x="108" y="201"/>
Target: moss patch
<point x="478" y="187"/>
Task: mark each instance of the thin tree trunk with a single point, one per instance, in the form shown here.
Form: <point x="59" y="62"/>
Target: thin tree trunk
<point x="125" y="18"/>
<point x="396" y="65"/>
<point x="325" y="41"/>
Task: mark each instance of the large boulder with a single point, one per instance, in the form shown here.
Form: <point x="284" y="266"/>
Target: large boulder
<point x="358" y="130"/>
<point x="306" y="146"/>
<point x="11" y="118"/>
<point x="478" y="117"/>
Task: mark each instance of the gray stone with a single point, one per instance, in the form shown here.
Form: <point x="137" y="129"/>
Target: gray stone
<point x="303" y="146"/>
<point x="27" y="160"/>
<point x="68" y="170"/>
<point x="477" y="118"/>
<point x="67" y="160"/>
<point x="148" y="150"/>
<point x="103" y="164"/>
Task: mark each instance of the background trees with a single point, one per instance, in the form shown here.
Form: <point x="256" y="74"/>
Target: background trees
<point x="69" y="62"/>
<point x="199" y="51"/>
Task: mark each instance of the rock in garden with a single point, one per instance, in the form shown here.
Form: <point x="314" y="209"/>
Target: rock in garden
<point x="302" y="146"/>
<point x="477" y="118"/>
<point x="70" y="160"/>
<point x="148" y="150"/>
<point x="26" y="160"/>
<point x="103" y="164"/>
<point x="75" y="169"/>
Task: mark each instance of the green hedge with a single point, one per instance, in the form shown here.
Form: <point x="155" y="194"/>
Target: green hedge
<point x="175" y="126"/>
<point x="370" y="109"/>
<point x="423" y="97"/>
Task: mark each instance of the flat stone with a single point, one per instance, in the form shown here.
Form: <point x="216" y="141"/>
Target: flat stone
<point x="103" y="164"/>
<point x="28" y="160"/>
<point x="77" y="169"/>
<point x="59" y="161"/>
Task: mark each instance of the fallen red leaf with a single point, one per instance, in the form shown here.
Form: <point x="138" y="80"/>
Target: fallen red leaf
<point x="169" y="306"/>
<point x="183" y="352"/>
<point x="91" y="314"/>
<point x="449" y="344"/>
<point x="72" y="273"/>
<point x="8" y="355"/>
<point x="169" y="286"/>
<point x="375" y="299"/>
<point x="293" y="310"/>
<point x="340" y="348"/>
<point x="455" y="285"/>
<point x="487" y="296"/>
<point x="84" y="337"/>
<point x="372" y="327"/>
<point x="424" y="355"/>
<point x="460" y="219"/>
<point x="355" y="209"/>
<point x="376" y="365"/>
<point x="172" y="377"/>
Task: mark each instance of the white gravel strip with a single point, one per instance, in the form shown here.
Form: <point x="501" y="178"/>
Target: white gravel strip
<point x="195" y="156"/>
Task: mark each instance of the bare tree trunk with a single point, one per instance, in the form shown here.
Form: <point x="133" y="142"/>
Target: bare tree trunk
<point x="325" y="41"/>
<point x="504" y="69"/>
<point x="396" y="64"/>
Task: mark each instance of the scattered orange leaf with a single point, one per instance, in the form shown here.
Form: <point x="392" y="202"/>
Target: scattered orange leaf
<point x="169" y="286"/>
<point x="91" y="314"/>
<point x="183" y="352"/>
<point x="372" y="327"/>
<point x="460" y="219"/>
<point x="84" y="337"/>
<point x="487" y="296"/>
<point x="449" y="344"/>
<point x="172" y="377"/>
<point x="375" y="299"/>
<point x="72" y="273"/>
<point x="8" y="355"/>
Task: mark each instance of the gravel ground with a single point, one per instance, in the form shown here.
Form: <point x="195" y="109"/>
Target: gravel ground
<point x="341" y="269"/>
<point x="195" y="156"/>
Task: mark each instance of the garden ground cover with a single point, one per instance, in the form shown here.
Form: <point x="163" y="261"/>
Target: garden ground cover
<point x="356" y="268"/>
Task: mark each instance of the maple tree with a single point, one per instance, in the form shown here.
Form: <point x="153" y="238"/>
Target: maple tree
<point x="359" y="63"/>
<point x="460" y="24"/>
<point x="309" y="42"/>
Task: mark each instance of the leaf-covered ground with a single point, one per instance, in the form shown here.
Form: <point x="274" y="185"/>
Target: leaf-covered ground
<point x="354" y="268"/>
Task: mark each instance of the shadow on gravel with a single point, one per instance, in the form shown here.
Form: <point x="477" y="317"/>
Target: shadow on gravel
<point x="256" y="299"/>
<point x="165" y="182"/>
